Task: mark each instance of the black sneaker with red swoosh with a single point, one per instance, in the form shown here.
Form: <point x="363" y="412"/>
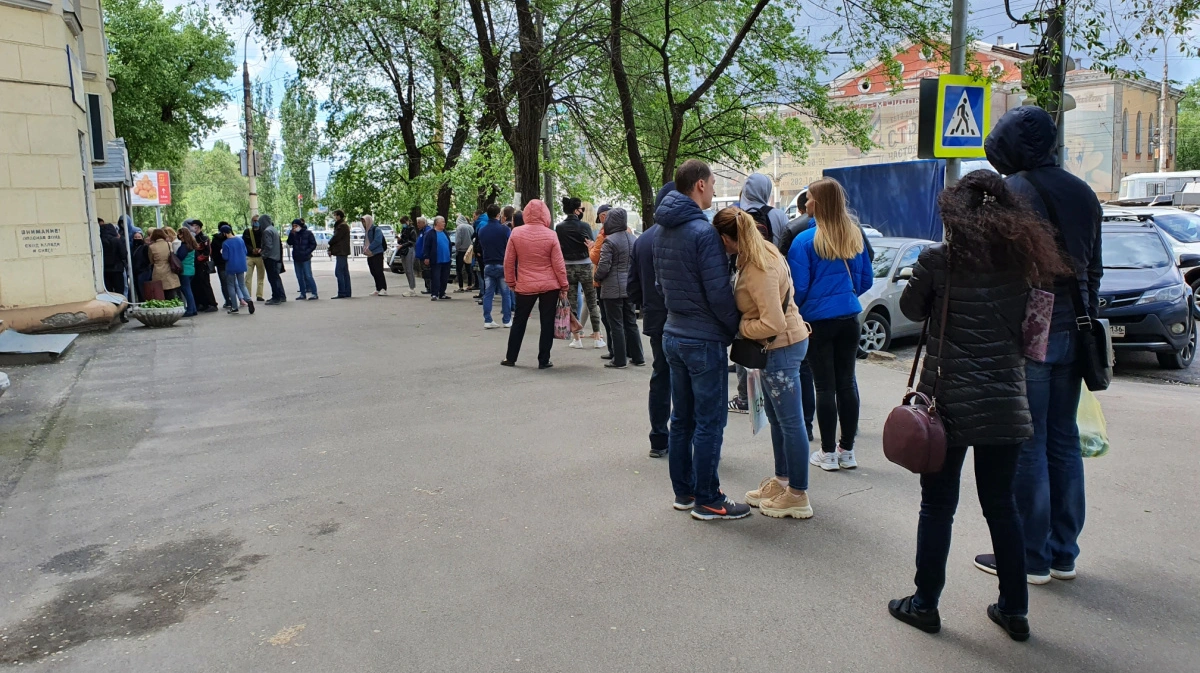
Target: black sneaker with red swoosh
<point x="721" y="509"/>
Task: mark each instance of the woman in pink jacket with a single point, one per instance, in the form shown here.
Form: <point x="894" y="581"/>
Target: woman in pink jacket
<point x="535" y="270"/>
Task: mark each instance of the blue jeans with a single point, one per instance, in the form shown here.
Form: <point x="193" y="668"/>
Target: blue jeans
<point x="341" y="271"/>
<point x="493" y="278"/>
<point x="189" y="300"/>
<point x="237" y="288"/>
<point x="785" y="410"/>
<point x="699" y="387"/>
<point x="304" y="277"/>
<point x="1050" y="483"/>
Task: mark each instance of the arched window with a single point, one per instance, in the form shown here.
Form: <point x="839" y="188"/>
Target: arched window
<point x="1150" y="137"/>
<point x="1137" y="136"/>
<point x="1125" y="132"/>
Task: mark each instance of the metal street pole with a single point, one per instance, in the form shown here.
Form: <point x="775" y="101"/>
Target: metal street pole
<point x="251" y="169"/>
<point x="958" y="66"/>
<point x="1162" y="114"/>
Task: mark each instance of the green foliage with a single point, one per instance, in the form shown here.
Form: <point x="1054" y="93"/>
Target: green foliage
<point x="212" y="188"/>
<point x="162" y="303"/>
<point x="298" y="122"/>
<point x="1187" y="134"/>
<point x="267" y="183"/>
<point x="168" y="68"/>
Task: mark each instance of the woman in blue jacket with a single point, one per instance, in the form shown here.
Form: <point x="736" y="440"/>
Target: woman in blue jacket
<point x="831" y="268"/>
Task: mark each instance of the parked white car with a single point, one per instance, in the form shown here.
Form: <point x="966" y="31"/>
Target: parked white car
<point x="881" y="318"/>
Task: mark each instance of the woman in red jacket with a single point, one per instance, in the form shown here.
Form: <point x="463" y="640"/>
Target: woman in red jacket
<point x="535" y="270"/>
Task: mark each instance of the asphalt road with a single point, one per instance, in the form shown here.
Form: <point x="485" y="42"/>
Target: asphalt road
<point x="358" y="486"/>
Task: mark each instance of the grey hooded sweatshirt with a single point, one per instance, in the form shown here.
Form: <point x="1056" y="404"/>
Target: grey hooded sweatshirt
<point x="755" y="195"/>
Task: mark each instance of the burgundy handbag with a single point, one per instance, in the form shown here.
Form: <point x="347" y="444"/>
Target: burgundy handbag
<point x="913" y="435"/>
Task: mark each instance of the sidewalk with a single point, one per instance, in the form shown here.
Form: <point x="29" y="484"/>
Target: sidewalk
<point x="351" y="484"/>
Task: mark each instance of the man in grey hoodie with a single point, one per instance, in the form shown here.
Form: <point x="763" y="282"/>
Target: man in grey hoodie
<point x="756" y="194"/>
<point x="272" y="254"/>
<point x="464" y="235"/>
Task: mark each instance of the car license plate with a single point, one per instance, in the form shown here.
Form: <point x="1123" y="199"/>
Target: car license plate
<point x="1116" y="331"/>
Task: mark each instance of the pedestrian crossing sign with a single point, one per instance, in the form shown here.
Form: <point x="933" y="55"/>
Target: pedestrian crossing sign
<point x="963" y="112"/>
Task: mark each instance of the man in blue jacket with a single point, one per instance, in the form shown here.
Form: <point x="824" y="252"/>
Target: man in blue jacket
<point x="692" y="270"/>
<point x="437" y="258"/>
<point x="644" y="292"/>
<point x="303" y="245"/>
<point x="493" y="243"/>
<point x="1049" y="483"/>
<point x="423" y="228"/>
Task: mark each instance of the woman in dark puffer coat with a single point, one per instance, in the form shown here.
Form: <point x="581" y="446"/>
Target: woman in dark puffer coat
<point x="996" y="249"/>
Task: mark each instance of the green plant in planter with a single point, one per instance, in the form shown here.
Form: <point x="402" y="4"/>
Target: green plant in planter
<point x="163" y="303"/>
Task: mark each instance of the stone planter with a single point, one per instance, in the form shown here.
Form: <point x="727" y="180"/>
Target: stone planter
<point x="156" y="317"/>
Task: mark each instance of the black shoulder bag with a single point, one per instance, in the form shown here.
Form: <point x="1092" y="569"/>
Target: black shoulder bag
<point x="1095" y="343"/>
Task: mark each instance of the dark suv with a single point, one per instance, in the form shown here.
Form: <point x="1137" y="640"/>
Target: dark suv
<point x="1143" y="296"/>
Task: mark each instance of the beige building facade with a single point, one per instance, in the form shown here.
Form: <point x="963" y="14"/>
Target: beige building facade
<point x="1109" y="134"/>
<point x="55" y="122"/>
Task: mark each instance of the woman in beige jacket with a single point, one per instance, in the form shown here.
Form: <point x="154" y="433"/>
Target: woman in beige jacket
<point x="159" y="250"/>
<point x="763" y="291"/>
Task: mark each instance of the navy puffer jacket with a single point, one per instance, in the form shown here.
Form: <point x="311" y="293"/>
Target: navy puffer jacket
<point x="692" y="270"/>
<point x="304" y="245"/>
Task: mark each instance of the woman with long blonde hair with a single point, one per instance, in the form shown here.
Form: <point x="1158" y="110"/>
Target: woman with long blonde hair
<point x="769" y="316"/>
<point x="831" y="268"/>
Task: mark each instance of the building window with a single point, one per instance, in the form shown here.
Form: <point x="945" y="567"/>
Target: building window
<point x="1150" y="139"/>
<point x="1125" y="132"/>
<point x="1137" y="136"/>
<point x="864" y="84"/>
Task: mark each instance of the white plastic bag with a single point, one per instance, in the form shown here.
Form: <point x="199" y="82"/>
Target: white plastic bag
<point x="1093" y="429"/>
<point x="754" y="393"/>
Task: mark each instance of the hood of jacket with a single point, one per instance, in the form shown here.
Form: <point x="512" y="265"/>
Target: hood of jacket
<point x="662" y="193"/>
<point x="676" y="210"/>
<point x="618" y="220"/>
<point x="109" y="230"/>
<point x="1022" y="140"/>
<point x="265" y="222"/>
<point x="757" y="191"/>
<point x="536" y="212"/>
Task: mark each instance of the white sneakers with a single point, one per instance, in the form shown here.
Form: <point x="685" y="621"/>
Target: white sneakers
<point x="575" y="343"/>
<point x="825" y="461"/>
<point x="382" y="293"/>
<point x="846" y="459"/>
<point x="491" y="325"/>
<point x="508" y="324"/>
<point x="408" y="293"/>
<point x="599" y="343"/>
<point x="832" y="462"/>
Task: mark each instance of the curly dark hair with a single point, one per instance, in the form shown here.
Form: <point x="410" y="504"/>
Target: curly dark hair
<point x="990" y="228"/>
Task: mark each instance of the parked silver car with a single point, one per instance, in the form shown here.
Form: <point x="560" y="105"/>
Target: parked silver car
<point x="881" y="318"/>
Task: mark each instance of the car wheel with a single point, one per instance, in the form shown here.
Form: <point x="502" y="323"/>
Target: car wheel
<point x="876" y="334"/>
<point x="1196" y="298"/>
<point x="1182" y="359"/>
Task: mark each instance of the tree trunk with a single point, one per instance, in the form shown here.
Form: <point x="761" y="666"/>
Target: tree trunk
<point x="533" y="94"/>
<point x="627" y="117"/>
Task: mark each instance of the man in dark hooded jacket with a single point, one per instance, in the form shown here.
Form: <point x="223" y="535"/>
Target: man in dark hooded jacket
<point x="644" y="291"/>
<point x="692" y="269"/>
<point x="1049" y="482"/>
<point x="115" y="257"/>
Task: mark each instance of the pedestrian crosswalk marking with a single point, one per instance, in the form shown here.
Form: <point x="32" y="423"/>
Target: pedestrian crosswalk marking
<point x="962" y="124"/>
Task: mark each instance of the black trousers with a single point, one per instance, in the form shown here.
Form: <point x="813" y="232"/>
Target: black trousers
<point x="660" y="396"/>
<point x="466" y="272"/>
<point x="547" y="303"/>
<point x="608" y="343"/>
<point x="995" y="468"/>
<point x="439" y="279"/>
<point x="273" y="278"/>
<point x="202" y="290"/>
<point x="623" y="332"/>
<point x="832" y="353"/>
<point x="375" y="265"/>
<point x="114" y="281"/>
